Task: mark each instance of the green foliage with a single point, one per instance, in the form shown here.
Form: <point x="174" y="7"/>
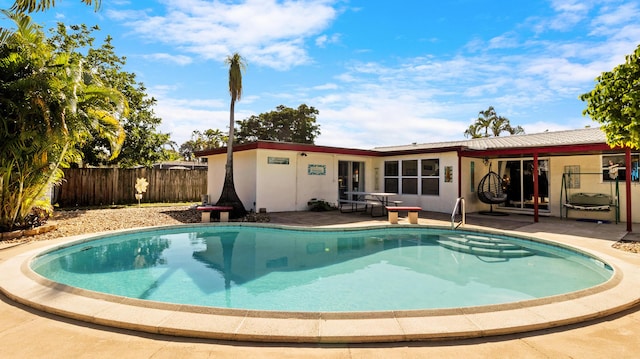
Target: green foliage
<point x="143" y="144"/>
<point x="490" y="124"/>
<point x="237" y="66"/>
<point x="615" y="102"/>
<point x="49" y="104"/>
<point x="201" y="141"/>
<point x="285" y="124"/>
<point x="22" y="6"/>
<point x="320" y="205"/>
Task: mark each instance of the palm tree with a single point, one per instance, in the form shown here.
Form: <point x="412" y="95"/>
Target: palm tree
<point x="42" y="5"/>
<point x="229" y="197"/>
<point x="48" y="104"/>
<point x="215" y="138"/>
<point x="488" y="120"/>
<point x="501" y="124"/>
<point x="473" y="131"/>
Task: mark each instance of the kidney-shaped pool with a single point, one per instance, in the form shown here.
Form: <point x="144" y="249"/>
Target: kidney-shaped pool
<point x="355" y="270"/>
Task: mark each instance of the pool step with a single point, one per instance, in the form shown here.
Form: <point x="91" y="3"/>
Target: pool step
<point x="482" y="248"/>
<point x="483" y="242"/>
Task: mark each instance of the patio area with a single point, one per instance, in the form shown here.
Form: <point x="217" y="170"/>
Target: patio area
<point x="27" y="332"/>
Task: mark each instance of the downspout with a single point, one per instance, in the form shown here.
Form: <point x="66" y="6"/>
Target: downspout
<point x="627" y="159"/>
<point x="536" y="191"/>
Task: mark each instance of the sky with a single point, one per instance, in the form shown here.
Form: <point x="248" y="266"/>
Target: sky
<point x="380" y="73"/>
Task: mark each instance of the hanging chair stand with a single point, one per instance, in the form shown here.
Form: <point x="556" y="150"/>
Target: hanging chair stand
<point x="490" y="192"/>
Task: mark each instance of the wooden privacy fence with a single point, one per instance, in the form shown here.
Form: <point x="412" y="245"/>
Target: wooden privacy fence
<point x="109" y="186"/>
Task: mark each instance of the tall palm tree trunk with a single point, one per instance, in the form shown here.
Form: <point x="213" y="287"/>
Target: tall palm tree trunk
<point x="229" y="197"/>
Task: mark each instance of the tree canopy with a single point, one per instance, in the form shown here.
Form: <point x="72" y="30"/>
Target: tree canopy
<point x="143" y="144"/>
<point x="615" y="102"/>
<point x="285" y="124"/>
<point x="50" y="103"/>
<point x="201" y="141"/>
<point x="490" y="124"/>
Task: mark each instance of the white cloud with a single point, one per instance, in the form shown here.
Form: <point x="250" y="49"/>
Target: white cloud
<point x="175" y="59"/>
<point x="568" y="14"/>
<point x="614" y="16"/>
<point x="531" y="80"/>
<point x="328" y="86"/>
<point x="324" y="40"/>
<point x="182" y="116"/>
<point x="503" y="41"/>
<point x="266" y="32"/>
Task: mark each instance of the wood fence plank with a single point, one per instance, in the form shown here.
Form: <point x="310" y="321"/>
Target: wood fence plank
<point x="109" y="186"/>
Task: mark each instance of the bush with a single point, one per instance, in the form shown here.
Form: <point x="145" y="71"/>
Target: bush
<point x="319" y="205"/>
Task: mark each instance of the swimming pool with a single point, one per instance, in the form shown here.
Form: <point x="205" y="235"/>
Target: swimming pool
<point x="354" y="270"/>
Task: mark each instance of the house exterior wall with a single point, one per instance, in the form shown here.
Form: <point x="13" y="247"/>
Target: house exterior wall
<point x="279" y="180"/>
<point x="589" y="183"/>
<point x="277" y="186"/>
<point x="448" y="190"/>
<point x="469" y="183"/>
<point x="289" y="187"/>
<point x="244" y="176"/>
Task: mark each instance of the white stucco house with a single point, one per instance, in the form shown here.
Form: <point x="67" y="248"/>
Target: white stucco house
<point x="281" y="176"/>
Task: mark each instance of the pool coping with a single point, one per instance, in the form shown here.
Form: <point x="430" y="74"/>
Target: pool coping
<point x="19" y="283"/>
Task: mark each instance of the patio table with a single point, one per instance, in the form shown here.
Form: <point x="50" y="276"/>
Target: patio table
<point x="381" y="197"/>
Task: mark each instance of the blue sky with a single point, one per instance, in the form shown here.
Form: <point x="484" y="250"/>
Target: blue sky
<point x="379" y="72"/>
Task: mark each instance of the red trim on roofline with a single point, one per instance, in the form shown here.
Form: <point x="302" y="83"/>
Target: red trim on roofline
<point x="287" y="146"/>
<point x="544" y="150"/>
<point x="462" y="150"/>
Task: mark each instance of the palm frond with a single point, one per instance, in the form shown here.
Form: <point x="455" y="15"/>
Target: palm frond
<point x="42" y="5"/>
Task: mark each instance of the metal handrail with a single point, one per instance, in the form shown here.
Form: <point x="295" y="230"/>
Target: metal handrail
<point x="459" y="202"/>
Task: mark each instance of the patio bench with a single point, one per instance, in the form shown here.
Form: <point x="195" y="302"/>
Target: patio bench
<point x="207" y="209"/>
<point x="393" y="213"/>
<point x="589" y="202"/>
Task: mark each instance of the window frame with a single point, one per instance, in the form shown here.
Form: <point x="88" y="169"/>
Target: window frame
<point x="619" y="160"/>
<point x="409" y="176"/>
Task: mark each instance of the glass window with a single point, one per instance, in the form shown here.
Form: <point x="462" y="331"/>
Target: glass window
<point x="409" y="186"/>
<point x="410" y="168"/>
<point x="391" y="168"/>
<point x="613" y="167"/>
<point x="412" y="177"/>
<point x="431" y="186"/>
<point x="431" y="167"/>
<point x="391" y="185"/>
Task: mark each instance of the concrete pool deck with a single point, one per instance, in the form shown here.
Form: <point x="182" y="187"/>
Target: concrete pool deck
<point x="29" y="332"/>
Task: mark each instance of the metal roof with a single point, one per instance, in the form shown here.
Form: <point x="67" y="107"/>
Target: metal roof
<point x="543" y="139"/>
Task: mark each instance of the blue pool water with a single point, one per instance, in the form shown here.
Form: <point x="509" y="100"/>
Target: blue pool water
<point x="268" y="268"/>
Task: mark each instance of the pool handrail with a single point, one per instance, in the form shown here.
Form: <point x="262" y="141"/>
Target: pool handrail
<point x="459" y="203"/>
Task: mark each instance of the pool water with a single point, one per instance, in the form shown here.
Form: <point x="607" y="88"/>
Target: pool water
<point x="267" y="268"/>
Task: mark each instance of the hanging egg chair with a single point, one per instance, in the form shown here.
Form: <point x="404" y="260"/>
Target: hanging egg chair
<point x="490" y="192"/>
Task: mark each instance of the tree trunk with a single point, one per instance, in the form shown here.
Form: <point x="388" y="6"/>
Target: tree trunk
<point x="229" y="197"/>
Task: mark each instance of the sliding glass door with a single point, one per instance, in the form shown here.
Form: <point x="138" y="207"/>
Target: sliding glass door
<point x="517" y="182"/>
<point x="350" y="178"/>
